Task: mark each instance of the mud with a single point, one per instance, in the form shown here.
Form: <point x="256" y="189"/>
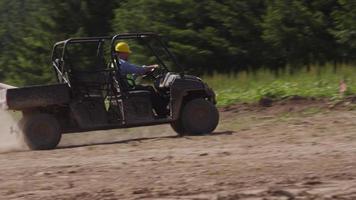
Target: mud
<point x="299" y="149"/>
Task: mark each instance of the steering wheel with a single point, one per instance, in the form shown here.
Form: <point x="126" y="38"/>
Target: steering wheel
<point x="151" y="74"/>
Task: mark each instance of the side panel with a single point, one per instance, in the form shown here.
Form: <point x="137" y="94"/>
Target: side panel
<point x="37" y="96"/>
<point x="89" y="113"/>
<point x="138" y="109"/>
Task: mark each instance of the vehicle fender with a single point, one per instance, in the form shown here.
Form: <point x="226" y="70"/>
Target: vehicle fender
<point x="183" y="90"/>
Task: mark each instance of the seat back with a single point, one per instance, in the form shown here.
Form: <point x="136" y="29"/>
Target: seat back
<point x="90" y="84"/>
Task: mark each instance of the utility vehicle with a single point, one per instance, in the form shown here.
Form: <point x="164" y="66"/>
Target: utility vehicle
<point x="91" y="94"/>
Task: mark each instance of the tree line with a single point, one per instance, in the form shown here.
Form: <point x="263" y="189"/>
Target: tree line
<point x="206" y="36"/>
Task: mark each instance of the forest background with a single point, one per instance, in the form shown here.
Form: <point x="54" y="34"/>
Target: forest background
<point x="230" y="37"/>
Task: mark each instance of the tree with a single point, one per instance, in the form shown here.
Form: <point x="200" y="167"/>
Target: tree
<point x="298" y="31"/>
<point x="206" y="36"/>
<point x="23" y="42"/>
<point x="344" y="29"/>
<point x="28" y="30"/>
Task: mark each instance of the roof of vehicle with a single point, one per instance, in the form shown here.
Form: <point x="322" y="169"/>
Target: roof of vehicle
<point x="113" y="38"/>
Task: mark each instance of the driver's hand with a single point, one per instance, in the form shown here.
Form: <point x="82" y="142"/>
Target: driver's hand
<point x="153" y="66"/>
<point x="150" y="68"/>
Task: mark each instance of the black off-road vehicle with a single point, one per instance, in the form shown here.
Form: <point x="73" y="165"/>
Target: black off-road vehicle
<point x="91" y="94"/>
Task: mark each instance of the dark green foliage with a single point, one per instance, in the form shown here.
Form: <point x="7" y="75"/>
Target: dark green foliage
<point x="298" y="31"/>
<point x="206" y="36"/>
<point x="25" y="42"/>
<point x="28" y="30"/>
<point x="345" y="28"/>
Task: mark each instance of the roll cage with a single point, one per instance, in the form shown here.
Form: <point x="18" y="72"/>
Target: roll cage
<point x="65" y="72"/>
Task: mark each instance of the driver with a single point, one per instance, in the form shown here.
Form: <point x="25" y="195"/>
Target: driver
<point x="123" y="52"/>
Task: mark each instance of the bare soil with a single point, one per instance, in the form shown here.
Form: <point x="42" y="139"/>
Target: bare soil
<point x="293" y="149"/>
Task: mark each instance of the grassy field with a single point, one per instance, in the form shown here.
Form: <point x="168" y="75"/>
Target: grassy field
<point x="250" y="87"/>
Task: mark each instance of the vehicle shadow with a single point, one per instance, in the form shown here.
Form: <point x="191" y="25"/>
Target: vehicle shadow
<point x="217" y="133"/>
<point x="116" y="142"/>
<point x="222" y="133"/>
<point x="143" y="139"/>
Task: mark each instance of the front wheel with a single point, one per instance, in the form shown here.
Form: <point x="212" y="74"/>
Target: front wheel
<point x="177" y="126"/>
<point x="41" y="131"/>
<point x="198" y="117"/>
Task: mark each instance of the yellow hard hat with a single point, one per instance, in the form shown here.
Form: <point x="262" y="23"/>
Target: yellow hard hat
<point x="122" y="47"/>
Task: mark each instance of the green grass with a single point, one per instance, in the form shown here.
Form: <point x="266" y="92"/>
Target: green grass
<point x="250" y="87"/>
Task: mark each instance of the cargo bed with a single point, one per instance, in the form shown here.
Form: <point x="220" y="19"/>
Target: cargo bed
<point x="33" y="96"/>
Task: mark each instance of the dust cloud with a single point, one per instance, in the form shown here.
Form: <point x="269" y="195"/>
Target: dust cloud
<point x="10" y="134"/>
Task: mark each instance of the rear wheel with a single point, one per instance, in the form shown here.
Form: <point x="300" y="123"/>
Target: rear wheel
<point x="41" y="131"/>
<point x="198" y="117"/>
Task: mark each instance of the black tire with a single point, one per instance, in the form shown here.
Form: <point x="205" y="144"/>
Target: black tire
<point x="41" y="131"/>
<point x="198" y="117"/>
<point x="177" y="126"/>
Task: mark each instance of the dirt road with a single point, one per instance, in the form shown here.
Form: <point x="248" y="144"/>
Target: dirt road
<point x="293" y="150"/>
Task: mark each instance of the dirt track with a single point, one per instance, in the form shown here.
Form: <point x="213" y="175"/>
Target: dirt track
<point x="293" y="150"/>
